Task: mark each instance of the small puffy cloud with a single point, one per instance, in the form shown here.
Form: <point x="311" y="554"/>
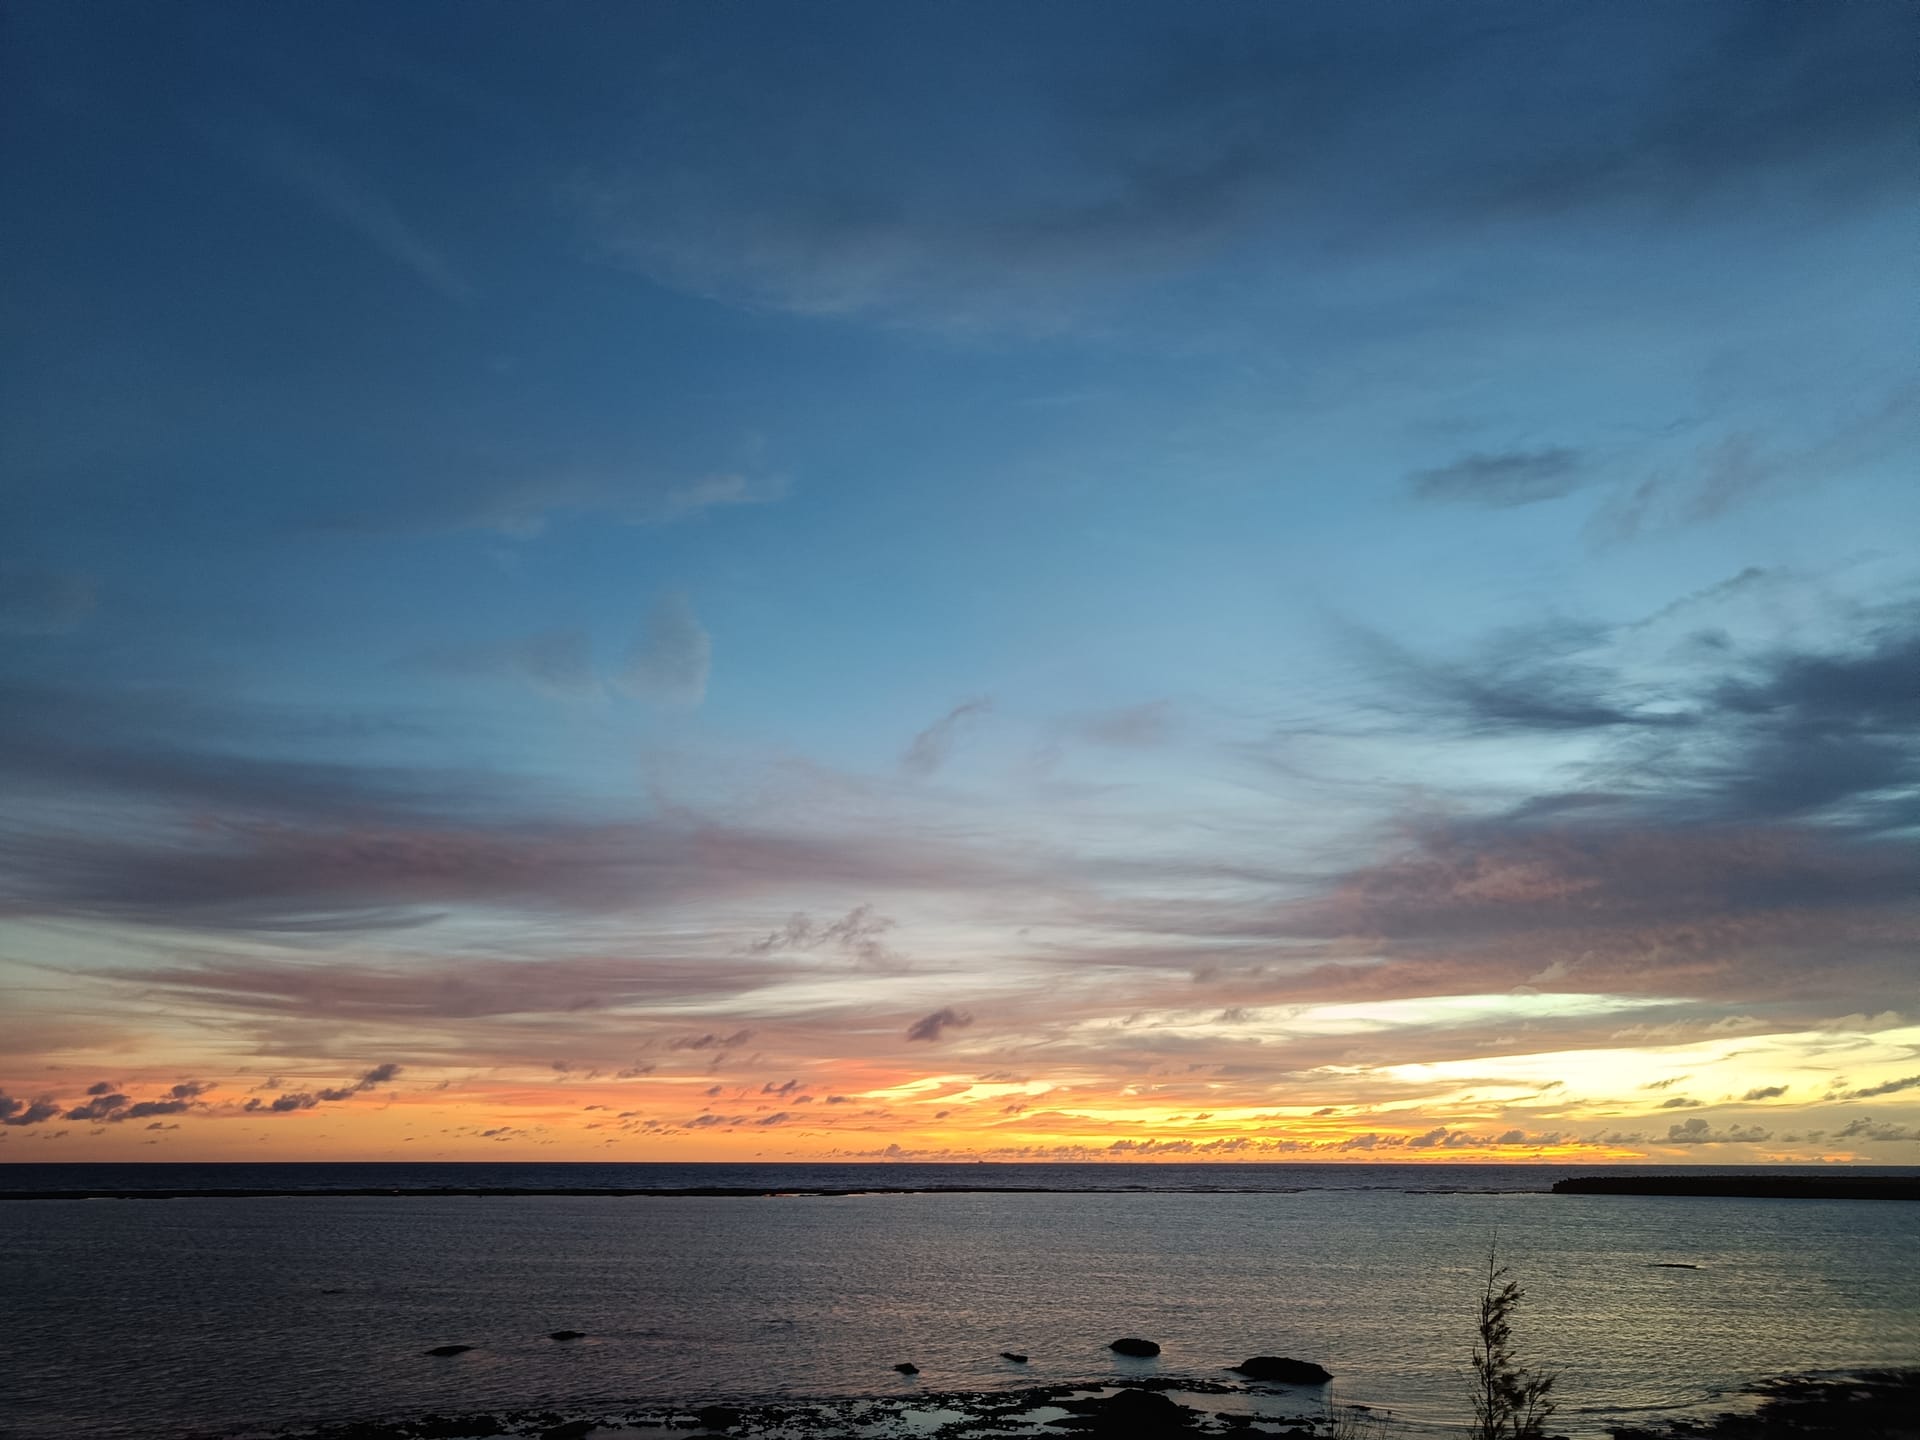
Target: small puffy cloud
<point x="1698" y="1132"/>
<point x="930" y="1027"/>
<point x="670" y="662"/>
<point x="1765" y="1092"/>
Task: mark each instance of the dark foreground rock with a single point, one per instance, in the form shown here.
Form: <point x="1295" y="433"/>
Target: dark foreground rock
<point x="1128" y="1413"/>
<point x="1138" y="1349"/>
<point x="1869" y="1405"/>
<point x="566" y="1334"/>
<point x="445" y="1350"/>
<point x="1013" y="1355"/>
<point x="1279" y="1370"/>
<point x="907" y="1367"/>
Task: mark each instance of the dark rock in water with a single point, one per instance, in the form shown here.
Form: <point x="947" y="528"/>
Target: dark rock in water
<point x="569" y="1430"/>
<point x="907" y="1367"/>
<point x="566" y="1334"/>
<point x="1014" y="1356"/>
<point x="1138" y="1349"/>
<point x="717" y="1417"/>
<point x="444" y="1350"/>
<point x="1279" y="1370"/>
<point x="1671" y="1265"/>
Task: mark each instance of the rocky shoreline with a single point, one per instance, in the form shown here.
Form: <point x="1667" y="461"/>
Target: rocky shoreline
<point x="1867" y="1405"/>
<point x="1863" y="1405"/>
<point x="1134" y="1410"/>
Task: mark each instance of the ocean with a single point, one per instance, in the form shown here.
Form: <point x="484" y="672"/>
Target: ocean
<point x="236" y="1316"/>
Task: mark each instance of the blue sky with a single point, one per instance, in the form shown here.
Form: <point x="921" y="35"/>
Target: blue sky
<point x="1141" y="527"/>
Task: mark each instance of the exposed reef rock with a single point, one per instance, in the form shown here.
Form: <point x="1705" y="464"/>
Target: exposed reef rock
<point x="1749" y="1187"/>
<point x="1137" y="1349"/>
<point x="1279" y="1370"/>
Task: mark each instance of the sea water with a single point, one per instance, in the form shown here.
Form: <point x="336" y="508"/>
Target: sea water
<point x="155" y="1318"/>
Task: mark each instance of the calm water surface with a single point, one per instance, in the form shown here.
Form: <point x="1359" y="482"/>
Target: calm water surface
<point x="156" y="1318"/>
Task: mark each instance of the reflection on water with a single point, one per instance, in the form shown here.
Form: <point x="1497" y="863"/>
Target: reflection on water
<point x="136" y="1318"/>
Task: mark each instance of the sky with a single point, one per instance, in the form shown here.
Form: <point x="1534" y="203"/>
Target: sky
<point x="752" y="581"/>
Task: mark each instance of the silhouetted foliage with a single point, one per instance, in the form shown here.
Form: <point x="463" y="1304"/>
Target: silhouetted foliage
<point x="1509" y="1399"/>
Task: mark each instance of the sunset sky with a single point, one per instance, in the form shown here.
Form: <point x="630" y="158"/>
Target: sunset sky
<point x="770" y="581"/>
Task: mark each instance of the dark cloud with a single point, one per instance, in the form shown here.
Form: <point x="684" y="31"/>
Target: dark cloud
<point x="284" y="1104"/>
<point x="296" y="1101"/>
<point x="1879" y="1132"/>
<point x="1783" y="734"/>
<point x="932" y="746"/>
<point x="1542" y="678"/>
<point x="859" y="934"/>
<point x="1503" y="479"/>
<point x="933" y="1027"/>
<point x="1700" y="1132"/>
<point x="101" y="1107"/>
<point x="1765" y="1092"/>
<point x="1890" y="1087"/>
<point x="25" y="1112"/>
<point x="712" y="1041"/>
<point x="105" y="1105"/>
<point x="379" y="1075"/>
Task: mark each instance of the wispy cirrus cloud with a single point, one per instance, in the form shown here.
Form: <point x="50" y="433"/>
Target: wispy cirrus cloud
<point x="1503" y="479"/>
<point x="1140" y="162"/>
<point x="671" y="661"/>
<point x="344" y="194"/>
<point x="932" y="746"/>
